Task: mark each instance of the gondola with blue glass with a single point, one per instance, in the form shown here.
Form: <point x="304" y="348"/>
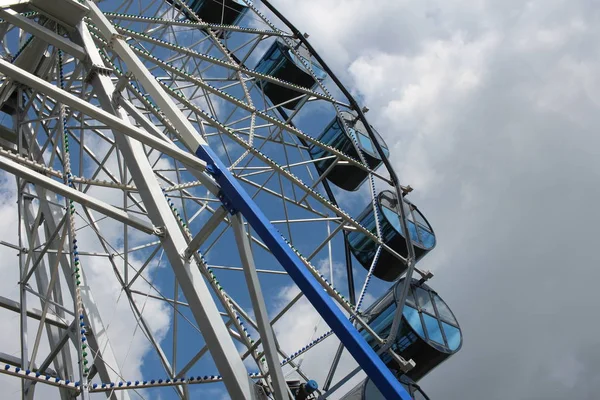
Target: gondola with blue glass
<point x="221" y="12"/>
<point x="428" y="333"/>
<point x="279" y="61"/>
<point x="336" y="135"/>
<point x="389" y="267"/>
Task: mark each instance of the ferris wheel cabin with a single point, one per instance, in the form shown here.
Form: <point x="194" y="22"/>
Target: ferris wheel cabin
<point x="366" y="390"/>
<point x="280" y="62"/>
<point x="388" y="267"/>
<point x="428" y="332"/>
<point x="347" y="177"/>
<point x="223" y="12"/>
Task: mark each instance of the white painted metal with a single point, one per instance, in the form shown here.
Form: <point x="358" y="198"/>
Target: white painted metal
<point x="260" y="309"/>
<point x="138" y="92"/>
<point x="201" y="304"/>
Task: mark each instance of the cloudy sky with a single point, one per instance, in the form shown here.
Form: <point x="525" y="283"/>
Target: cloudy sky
<point x="491" y="111"/>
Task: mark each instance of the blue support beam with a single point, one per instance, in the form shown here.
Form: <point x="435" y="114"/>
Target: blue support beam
<point x="237" y="199"/>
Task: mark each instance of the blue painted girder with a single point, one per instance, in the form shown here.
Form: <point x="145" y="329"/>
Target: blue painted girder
<point x="236" y="198"/>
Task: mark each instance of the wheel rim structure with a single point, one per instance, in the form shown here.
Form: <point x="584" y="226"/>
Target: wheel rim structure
<point x="144" y="146"/>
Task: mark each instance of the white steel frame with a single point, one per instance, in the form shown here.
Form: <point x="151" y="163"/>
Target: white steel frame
<point x="145" y="107"/>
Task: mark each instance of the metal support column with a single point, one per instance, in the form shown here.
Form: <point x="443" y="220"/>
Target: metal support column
<point x="97" y="338"/>
<point x="62" y="363"/>
<point x="260" y="309"/>
<point x="206" y="314"/>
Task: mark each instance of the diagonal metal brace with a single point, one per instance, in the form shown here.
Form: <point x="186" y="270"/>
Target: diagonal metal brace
<point x="366" y="357"/>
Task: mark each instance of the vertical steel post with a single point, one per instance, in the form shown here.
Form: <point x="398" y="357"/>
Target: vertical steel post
<point x="260" y="309"/>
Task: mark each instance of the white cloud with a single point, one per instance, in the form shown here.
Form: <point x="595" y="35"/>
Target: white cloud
<point x="413" y="98"/>
<point x="490" y="110"/>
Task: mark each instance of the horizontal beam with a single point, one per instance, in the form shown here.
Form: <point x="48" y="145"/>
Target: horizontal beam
<point x="16" y="361"/>
<point x="116" y="123"/>
<point x="32" y="313"/>
<point x="156" y="383"/>
<point x="42" y="33"/>
<point x="32" y="376"/>
<point x="75" y="195"/>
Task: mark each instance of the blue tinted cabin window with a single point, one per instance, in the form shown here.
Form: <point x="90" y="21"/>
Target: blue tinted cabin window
<point x="366" y="144"/>
<point x="381" y="324"/>
<point x="424" y="300"/>
<point x="394" y="219"/>
<point x="271" y="61"/>
<point x="303" y="61"/>
<point x="452" y="335"/>
<point x="386" y="151"/>
<point x="410" y="298"/>
<point x="384" y="320"/>
<point x="362" y="243"/>
<point x="433" y="329"/>
<point x="412" y="316"/>
<point x="343" y="133"/>
<point x="227" y="12"/>
<point x="425" y="237"/>
<point x="392" y="235"/>
<point x="431" y="318"/>
<point x="334" y="136"/>
<point x="420" y="220"/>
<point x="443" y="310"/>
<point x="382" y="143"/>
<point x="275" y="59"/>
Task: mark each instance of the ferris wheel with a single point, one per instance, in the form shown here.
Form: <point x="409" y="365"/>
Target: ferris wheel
<point x="199" y="165"/>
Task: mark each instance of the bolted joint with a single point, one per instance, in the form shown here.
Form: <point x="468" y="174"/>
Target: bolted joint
<point x="186" y="255"/>
<point x="115" y="37"/>
<point x="349" y="228"/>
<point x="425" y="276"/>
<point x="212" y="170"/>
<point x="405" y="366"/>
<point x="406" y="190"/>
<point x="227" y="203"/>
<point x="160" y="231"/>
<point x="119" y="86"/>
